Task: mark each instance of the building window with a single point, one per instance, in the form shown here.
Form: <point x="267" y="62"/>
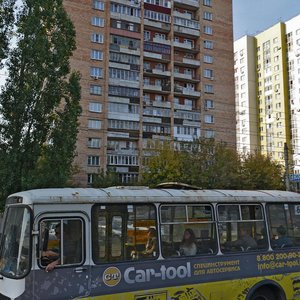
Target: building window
<point x="95" y="107"/>
<point x="99" y="5"/>
<point x="208" y="59"/>
<point x="123" y="74"/>
<point x="147" y="35"/>
<point x="96" y="54"/>
<point x="209" y="134"/>
<point x="93" y="160"/>
<point x="160" y="36"/>
<point x="97" y="21"/>
<point x="209" y="104"/>
<point x="90" y="178"/>
<point x="208" y="45"/>
<point x="94" y="124"/>
<point x="157" y="16"/>
<point x="207" y="16"/>
<point x="189" y="42"/>
<point x="97" y="38"/>
<point x="208" y="88"/>
<point x="95" y="89"/>
<point x="208" y="73"/>
<point x="208" y="30"/>
<point x="96" y="72"/>
<point x="207" y="2"/>
<point x="209" y="119"/>
<point x="94" y="143"/>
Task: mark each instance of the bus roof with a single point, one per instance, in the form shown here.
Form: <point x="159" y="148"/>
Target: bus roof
<point x="146" y="195"/>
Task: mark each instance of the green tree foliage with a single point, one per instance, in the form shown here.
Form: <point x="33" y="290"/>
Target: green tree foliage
<point x="104" y="179"/>
<point x="208" y="162"/>
<point x="6" y="26"/>
<point x="261" y="172"/>
<point x="211" y="164"/>
<point x="165" y="164"/>
<point x="39" y="103"/>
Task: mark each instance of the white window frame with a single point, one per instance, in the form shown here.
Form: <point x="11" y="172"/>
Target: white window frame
<point x="96" y="54"/>
<point x="99" y="5"/>
<point x="97" y="21"/>
<point x="94" y="124"/>
<point x="95" y="107"/>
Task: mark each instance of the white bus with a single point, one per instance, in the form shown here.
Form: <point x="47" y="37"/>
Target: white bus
<point x="92" y="244"/>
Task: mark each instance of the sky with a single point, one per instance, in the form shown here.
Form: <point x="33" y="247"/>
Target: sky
<point x="253" y="16"/>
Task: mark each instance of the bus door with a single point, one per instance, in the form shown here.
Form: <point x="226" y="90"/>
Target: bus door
<point x="62" y="262"/>
<point x="111" y="225"/>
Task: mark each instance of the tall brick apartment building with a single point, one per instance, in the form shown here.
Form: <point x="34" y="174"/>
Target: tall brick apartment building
<point x="152" y="71"/>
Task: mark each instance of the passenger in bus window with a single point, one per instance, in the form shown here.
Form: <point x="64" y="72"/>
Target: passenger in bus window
<point x="244" y="242"/>
<point x="188" y="243"/>
<point x="151" y="244"/>
<point x="283" y="240"/>
<point x="262" y="239"/>
<point x="67" y="248"/>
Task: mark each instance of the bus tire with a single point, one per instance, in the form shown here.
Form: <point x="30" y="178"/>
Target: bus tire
<point x="264" y="293"/>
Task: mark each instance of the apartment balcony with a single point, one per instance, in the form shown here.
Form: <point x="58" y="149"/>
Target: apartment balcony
<point x="192" y="4"/>
<point x="186" y="76"/>
<point x="119" y="99"/>
<point x="181" y="15"/>
<point x="157" y="56"/>
<point x="124" y="66"/>
<point x="163" y="104"/>
<point x="166" y="27"/>
<point x="186" y="92"/>
<point x="112" y="134"/>
<point x="122" y="82"/>
<point x="162" y="41"/>
<point x="182" y="107"/>
<point x="130" y="3"/>
<point x="119" y="16"/>
<point x="123" y="116"/>
<point x="186" y="31"/>
<point x="157" y="72"/>
<point x="160" y="72"/>
<point x="187" y="61"/>
<point x="152" y="87"/>
<point x="125" y="49"/>
<point x="130" y="50"/>
<point x="192" y="62"/>
<point x="123" y="151"/>
<point x="164" y="88"/>
<point x="185" y="46"/>
<point x="152" y="120"/>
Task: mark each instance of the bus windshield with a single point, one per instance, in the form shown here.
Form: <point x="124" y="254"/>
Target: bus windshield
<point x="15" y="243"/>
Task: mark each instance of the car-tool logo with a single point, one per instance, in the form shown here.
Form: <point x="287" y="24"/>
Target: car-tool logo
<point x="112" y="276"/>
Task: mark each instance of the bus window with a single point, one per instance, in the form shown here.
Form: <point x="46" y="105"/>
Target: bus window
<point x="241" y="227"/>
<point x="124" y="232"/>
<point x="284" y="225"/>
<point x="61" y="242"/>
<point x="16" y="243"/>
<point x="187" y="230"/>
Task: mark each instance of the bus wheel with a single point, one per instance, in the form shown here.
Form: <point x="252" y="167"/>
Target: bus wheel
<point x="264" y="293"/>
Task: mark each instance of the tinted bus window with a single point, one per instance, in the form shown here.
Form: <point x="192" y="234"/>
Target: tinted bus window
<point x="242" y="227"/>
<point x="124" y="232"/>
<point x="187" y="230"/>
<point x="61" y="242"/>
<point x="284" y="225"/>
